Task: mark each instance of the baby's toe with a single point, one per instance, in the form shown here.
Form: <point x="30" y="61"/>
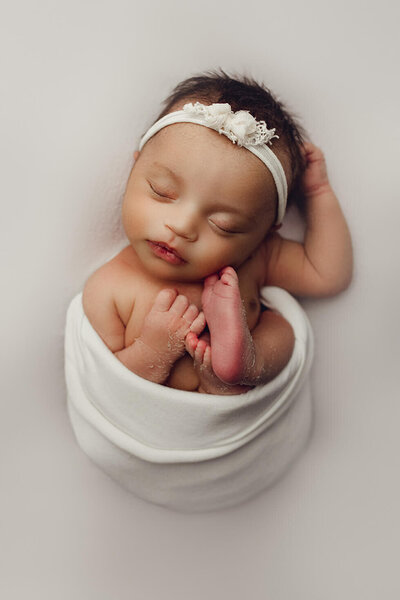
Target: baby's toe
<point x="207" y="357"/>
<point x="210" y="280"/>
<point x="229" y="276"/>
<point x="202" y="354"/>
<point x="191" y="342"/>
<point x="199" y="352"/>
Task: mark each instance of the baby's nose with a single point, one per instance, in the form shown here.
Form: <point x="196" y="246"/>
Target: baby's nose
<point x="183" y="225"/>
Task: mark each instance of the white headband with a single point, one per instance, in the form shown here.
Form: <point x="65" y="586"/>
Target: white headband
<point x="241" y="128"/>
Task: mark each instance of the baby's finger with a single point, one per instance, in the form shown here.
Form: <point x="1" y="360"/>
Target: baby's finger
<point x="191" y="313"/>
<point x="198" y="324"/>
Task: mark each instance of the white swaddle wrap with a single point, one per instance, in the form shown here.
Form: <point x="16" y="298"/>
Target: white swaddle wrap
<point x="185" y="450"/>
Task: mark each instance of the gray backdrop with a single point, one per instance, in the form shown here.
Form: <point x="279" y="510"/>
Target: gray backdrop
<point x="80" y="82"/>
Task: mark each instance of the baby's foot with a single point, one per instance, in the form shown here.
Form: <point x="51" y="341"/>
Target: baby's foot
<point x="233" y="353"/>
<point x="200" y="350"/>
<point x="162" y="339"/>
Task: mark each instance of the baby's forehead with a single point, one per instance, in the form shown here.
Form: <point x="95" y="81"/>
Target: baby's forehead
<point x="201" y="158"/>
<point x="180" y="141"/>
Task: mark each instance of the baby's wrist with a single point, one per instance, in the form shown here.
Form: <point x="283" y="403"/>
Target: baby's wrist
<point x="321" y="189"/>
<point x="150" y="354"/>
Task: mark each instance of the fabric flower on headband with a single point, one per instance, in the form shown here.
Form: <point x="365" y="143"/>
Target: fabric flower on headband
<point x="240" y="126"/>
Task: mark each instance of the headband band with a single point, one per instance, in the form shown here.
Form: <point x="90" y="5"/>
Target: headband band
<point x="241" y="128"/>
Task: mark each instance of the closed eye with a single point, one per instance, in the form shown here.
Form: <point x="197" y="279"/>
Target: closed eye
<point x="159" y="193"/>
<point x="224" y="229"/>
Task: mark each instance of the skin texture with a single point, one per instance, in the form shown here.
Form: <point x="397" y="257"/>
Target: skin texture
<point x="194" y="322"/>
<point x="213" y="216"/>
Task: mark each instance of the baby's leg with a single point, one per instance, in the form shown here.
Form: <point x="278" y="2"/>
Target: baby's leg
<point x="162" y="339"/>
<point x="200" y="351"/>
<point x="237" y="356"/>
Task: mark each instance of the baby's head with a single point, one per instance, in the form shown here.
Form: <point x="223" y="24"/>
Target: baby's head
<point x="191" y="189"/>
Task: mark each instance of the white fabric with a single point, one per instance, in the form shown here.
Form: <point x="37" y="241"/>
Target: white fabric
<point x="262" y="151"/>
<point x="185" y="450"/>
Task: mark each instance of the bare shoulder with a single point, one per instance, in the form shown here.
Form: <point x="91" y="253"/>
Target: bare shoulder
<point x="271" y="248"/>
<point x="101" y="298"/>
<point x="285" y="265"/>
<point x="265" y="256"/>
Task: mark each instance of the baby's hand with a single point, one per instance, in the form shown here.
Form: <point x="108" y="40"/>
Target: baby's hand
<point x="169" y="321"/>
<point x="315" y="178"/>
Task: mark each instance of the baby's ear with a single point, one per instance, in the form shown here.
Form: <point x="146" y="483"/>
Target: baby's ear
<point x="136" y="155"/>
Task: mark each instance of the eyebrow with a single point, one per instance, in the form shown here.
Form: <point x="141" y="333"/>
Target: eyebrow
<point x="168" y="170"/>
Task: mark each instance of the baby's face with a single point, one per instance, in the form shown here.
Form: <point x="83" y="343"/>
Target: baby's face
<point x="195" y="203"/>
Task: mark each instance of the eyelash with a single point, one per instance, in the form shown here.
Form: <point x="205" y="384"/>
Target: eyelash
<point x="228" y="231"/>
<point x="158" y="193"/>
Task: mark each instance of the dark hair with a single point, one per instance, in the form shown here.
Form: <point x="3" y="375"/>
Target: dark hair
<point x="244" y="93"/>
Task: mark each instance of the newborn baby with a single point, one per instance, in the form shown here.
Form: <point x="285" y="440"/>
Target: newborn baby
<point x="180" y="304"/>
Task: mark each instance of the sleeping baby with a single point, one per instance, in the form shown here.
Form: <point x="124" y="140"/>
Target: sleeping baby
<point x="212" y="177"/>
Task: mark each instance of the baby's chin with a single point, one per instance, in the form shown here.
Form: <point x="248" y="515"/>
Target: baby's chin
<point x="180" y="274"/>
<point x="176" y="273"/>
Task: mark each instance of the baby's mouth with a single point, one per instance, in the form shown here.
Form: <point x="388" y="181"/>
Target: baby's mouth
<point x="162" y="250"/>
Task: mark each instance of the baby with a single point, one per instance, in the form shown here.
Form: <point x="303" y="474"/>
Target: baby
<point x="180" y="304"/>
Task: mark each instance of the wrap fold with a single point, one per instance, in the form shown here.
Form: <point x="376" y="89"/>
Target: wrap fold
<point x="184" y="450"/>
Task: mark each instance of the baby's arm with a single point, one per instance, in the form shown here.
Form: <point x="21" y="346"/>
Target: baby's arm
<point x="162" y="339"/>
<point x="323" y="264"/>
